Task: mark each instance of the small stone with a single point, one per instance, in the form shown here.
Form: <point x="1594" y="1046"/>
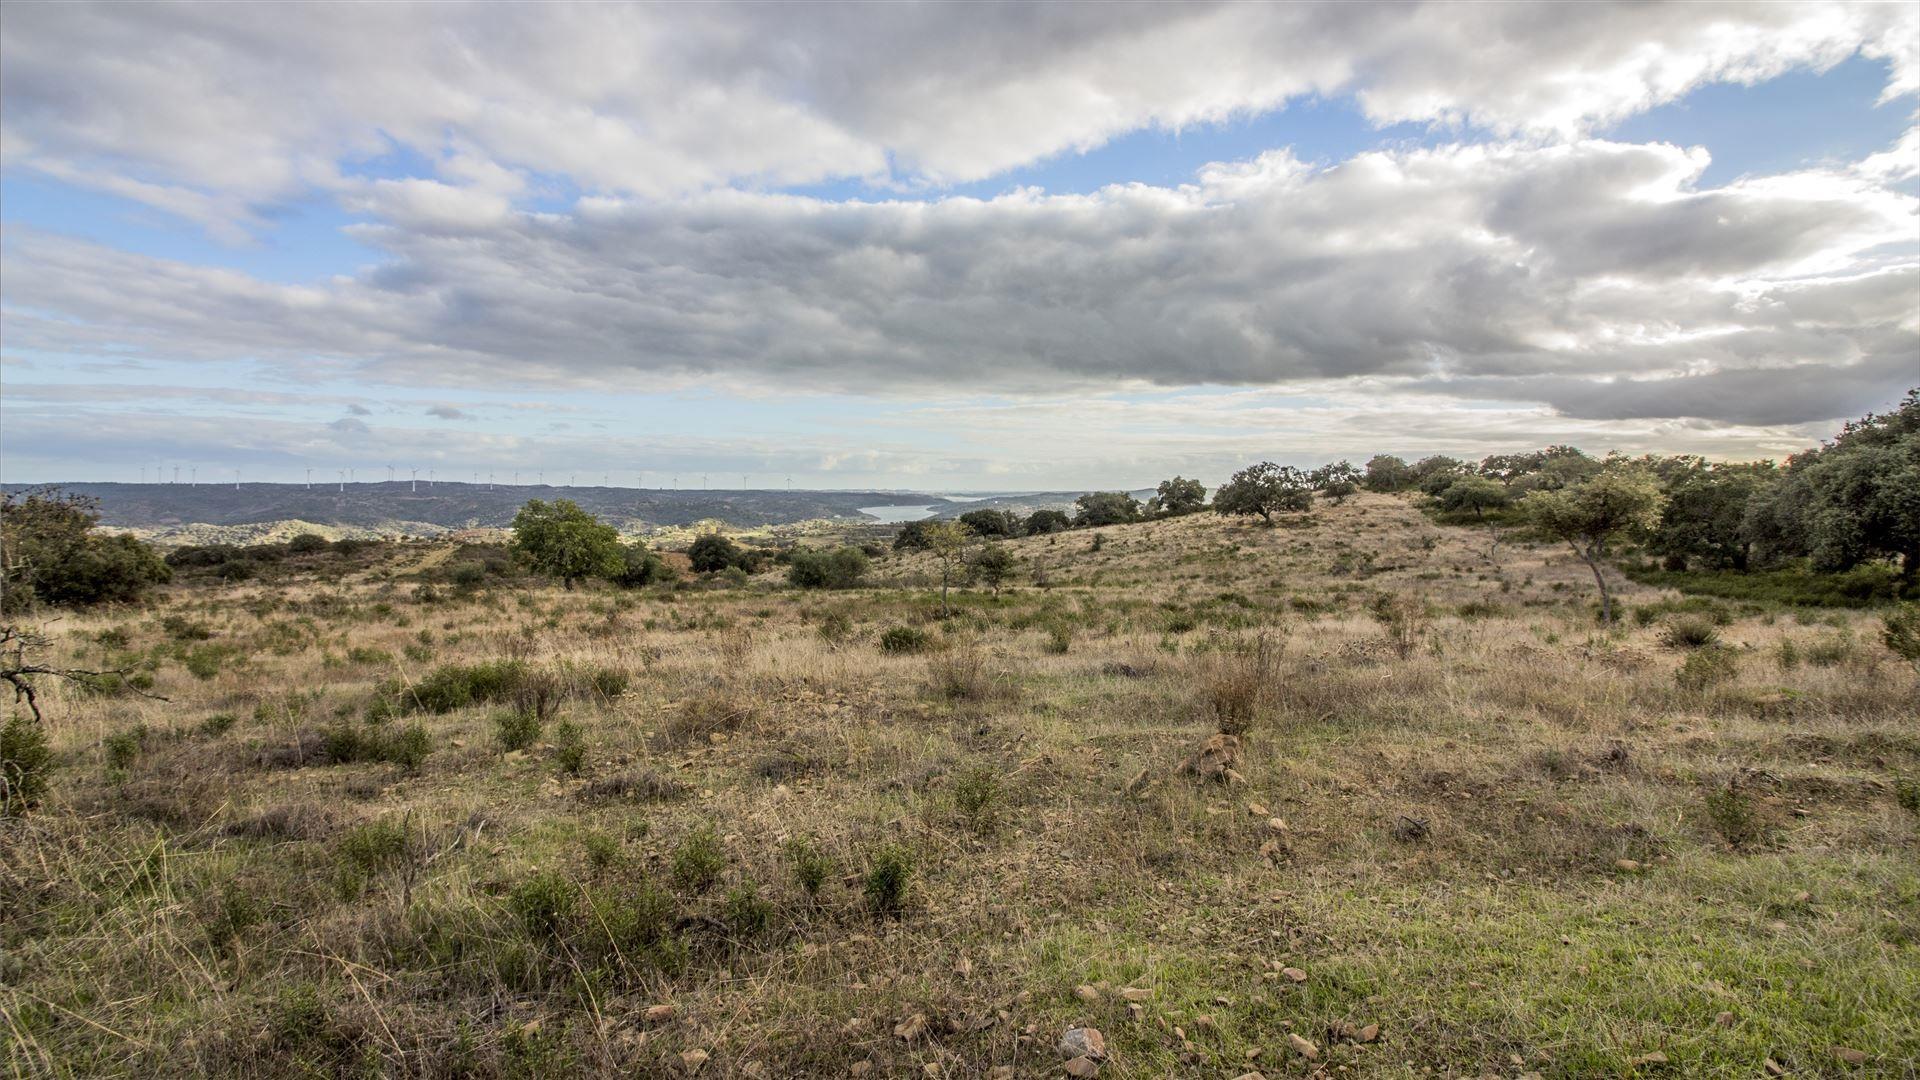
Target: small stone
<point x="1203" y="1022"/>
<point x="1136" y="993"/>
<point x="1136" y="1011"/>
<point x="1294" y="974"/>
<point x="1250" y="1076"/>
<point x="1303" y="1046"/>
<point x="1277" y="824"/>
<point x="1773" y="1067"/>
<point x="860" y="1068"/>
<point x="911" y="1028"/>
<point x="1367" y="1034"/>
<point x="963" y="967"/>
<point x="693" y="1060"/>
<point x="659" y="1014"/>
<point x="1001" y="1072"/>
<point x="1086" y="993"/>
<point x="1655" y="1058"/>
<point x="1725" y="1019"/>
<point x="1256" y="809"/>
<point x="1083" y="1042"/>
<point x="1849" y="1055"/>
<point x="1083" y="1067"/>
<point x="1629" y="865"/>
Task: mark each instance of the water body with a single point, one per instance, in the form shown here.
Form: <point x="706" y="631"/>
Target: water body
<point x="895" y="515"/>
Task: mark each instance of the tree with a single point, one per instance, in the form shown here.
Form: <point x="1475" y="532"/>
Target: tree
<point x="1856" y="498"/>
<point x="1335" y="481"/>
<point x="640" y="567"/>
<point x="991" y="522"/>
<point x="948" y="542"/>
<point x="1476" y="493"/>
<point x="1433" y="474"/>
<point x="993" y="564"/>
<point x="50" y="554"/>
<point x="1265" y="489"/>
<point x="560" y="539"/>
<point x="712" y="553"/>
<point x="1098" y="508"/>
<point x="1386" y="473"/>
<point x="1178" y="496"/>
<point x="840" y="568"/>
<point x="1706" y="518"/>
<point x="1044" y="522"/>
<point x="1589" y="515"/>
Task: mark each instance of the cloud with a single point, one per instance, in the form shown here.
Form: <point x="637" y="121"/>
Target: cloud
<point x="347" y="425"/>
<point x="1537" y="271"/>
<point x="448" y="412"/>
<point x="215" y="111"/>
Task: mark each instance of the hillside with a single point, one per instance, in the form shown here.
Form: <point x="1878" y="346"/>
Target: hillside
<point x="1358" y="796"/>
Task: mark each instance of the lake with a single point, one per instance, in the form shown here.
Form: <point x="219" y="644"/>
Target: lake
<point x="894" y="515"/>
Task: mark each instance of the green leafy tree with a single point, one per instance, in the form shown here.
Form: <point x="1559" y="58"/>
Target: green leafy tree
<point x="1852" y="500"/>
<point x="1616" y="503"/>
<point x="1265" y="489"/>
<point x="947" y="540"/>
<point x="1386" y="473"/>
<point x="1098" y="508"/>
<point x="1476" y="493"/>
<point x="1335" y="481"/>
<point x="840" y="568"/>
<point x="52" y="555"/>
<point x="640" y="566"/>
<point x="1705" y="519"/>
<point x="912" y="536"/>
<point x="561" y="539"/>
<point x="993" y="564"/>
<point x="712" y="553"/>
<point x="1044" y="522"/>
<point x="991" y="522"/>
<point x="1178" y="496"/>
<point x="1433" y="474"/>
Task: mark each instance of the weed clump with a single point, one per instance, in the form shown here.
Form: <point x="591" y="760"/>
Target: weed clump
<point x="714" y="711"/>
<point x="542" y="903"/>
<point x="960" y="675"/>
<point x="569" y="747"/>
<point x="904" y="640"/>
<point x="811" y="866"/>
<point x="517" y="729"/>
<point x="745" y="912"/>
<point x="26" y="762"/>
<point x="1706" y="668"/>
<point x="1733" y="815"/>
<point x="976" y="793"/>
<point x="456" y="686"/>
<point x="1689" y="632"/>
<point x="1236" y="686"/>
<point x="888" y="879"/>
<point x="698" y="861"/>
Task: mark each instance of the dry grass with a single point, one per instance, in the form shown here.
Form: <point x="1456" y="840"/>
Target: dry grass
<point x="1467" y="815"/>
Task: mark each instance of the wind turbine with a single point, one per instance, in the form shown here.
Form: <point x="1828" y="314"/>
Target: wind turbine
<point x="516" y="478"/>
<point x="236" y="479"/>
<point x="429" y="478"/>
<point x="309" y="479"/>
<point x="176" y="474"/>
<point x="414" y="484"/>
<point x="343" y="480"/>
<point x="143" y="474"/>
<point x="389" y="472"/>
<point x="489" y="479"/>
<point x="193" y="476"/>
<point x="703" y="481"/>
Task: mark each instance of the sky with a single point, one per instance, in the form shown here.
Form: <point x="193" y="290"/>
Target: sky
<point x="943" y="247"/>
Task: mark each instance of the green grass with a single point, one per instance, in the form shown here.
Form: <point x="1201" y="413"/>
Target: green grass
<point x="1863" y="586"/>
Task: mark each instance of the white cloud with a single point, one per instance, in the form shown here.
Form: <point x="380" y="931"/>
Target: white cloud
<point x="211" y="110"/>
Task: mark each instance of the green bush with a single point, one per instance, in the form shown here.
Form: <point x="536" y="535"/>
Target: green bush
<point x="811" y="866"/>
<point x="457" y="686"/>
<point x="542" y="903"/>
<point x="1734" y="816"/>
<point x="900" y="640"/>
<point x="123" y="748"/>
<point x="745" y="912"/>
<point x="569" y="747"/>
<point x="888" y="879"/>
<point x="517" y="729"/>
<point x="1059" y="639"/>
<point x="698" y="861"/>
<point x="408" y="747"/>
<point x="975" y="794"/>
<point x="1707" y="667"/>
<point x="840" y="568"/>
<point x="1689" y="632"/>
<point x="26" y="762"/>
<point x="1900" y="632"/>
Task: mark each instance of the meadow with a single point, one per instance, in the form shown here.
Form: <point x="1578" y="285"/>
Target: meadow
<point x="1360" y="795"/>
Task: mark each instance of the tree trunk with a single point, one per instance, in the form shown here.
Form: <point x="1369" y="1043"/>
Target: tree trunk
<point x="1600" y="579"/>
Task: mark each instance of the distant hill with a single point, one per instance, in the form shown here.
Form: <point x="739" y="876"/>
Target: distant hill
<point x="398" y="507"/>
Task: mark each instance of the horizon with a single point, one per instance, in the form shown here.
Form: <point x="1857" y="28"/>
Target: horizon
<point x="943" y="247"/>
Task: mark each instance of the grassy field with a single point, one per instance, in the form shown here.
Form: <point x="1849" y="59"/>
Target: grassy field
<point x="386" y="825"/>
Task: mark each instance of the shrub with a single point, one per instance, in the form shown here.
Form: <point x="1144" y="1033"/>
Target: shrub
<point x="1733" y="815"/>
<point x="602" y="850"/>
<point x="517" y="729"/>
<point x="1045" y="522"/>
<point x="1900" y="632"/>
<point x="744" y="912"/>
<point x="1059" y="639"/>
<point x="1906" y="793"/>
<point x="900" y="640"/>
<point x="26" y="761"/>
<point x="232" y="911"/>
<point x="1830" y="651"/>
<point x="1689" y="632"/>
<point x="565" y="541"/>
<point x="569" y="747"/>
<point x="835" y="627"/>
<point x="180" y="628"/>
<point x="960" y="675"/>
<point x="49" y="554"/>
<point x="975" y="793"/>
<point x="123" y="748"/>
<point x="811" y="866"/>
<point x="1707" y="667"/>
<point x="640" y="567"/>
<point x="1235" y="687"/>
<point x="307" y="544"/>
<point x="712" y="553"/>
<point x="609" y="683"/>
<point x="1404" y="617"/>
<point x="992" y="565"/>
<point x="888" y="879"/>
<point x="542" y="903"/>
<point x="362" y="852"/>
<point x="457" y="686"/>
<point x="841" y="568"/>
<point x="699" y="718"/>
<point x="698" y="861"/>
<point x="408" y="748"/>
<point x="469" y="575"/>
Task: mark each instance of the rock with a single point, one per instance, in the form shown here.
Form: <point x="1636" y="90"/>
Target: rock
<point x="1083" y="1042"/>
<point x="1203" y="1022"/>
<point x="1083" y="1067"/>
<point x="1256" y="809"/>
<point x="1136" y="993"/>
<point x="1136" y="1011"/>
<point x="659" y="1014"/>
<point x="860" y="1068"/>
<point x="1655" y="1058"/>
<point x="1631" y="866"/>
<point x="1773" y="1067"/>
<point x="1215" y="759"/>
<point x="1849" y="1055"/>
<point x="1303" y="1046"/>
<point x="1001" y="1072"/>
<point x="693" y="1060"/>
<point x="1086" y="993"/>
<point x="1294" y="974"/>
<point x="1232" y="776"/>
<point x="1275" y="824"/>
<point x="1725" y="1019"/>
<point x="911" y="1028"/>
<point x="963" y="967"/>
